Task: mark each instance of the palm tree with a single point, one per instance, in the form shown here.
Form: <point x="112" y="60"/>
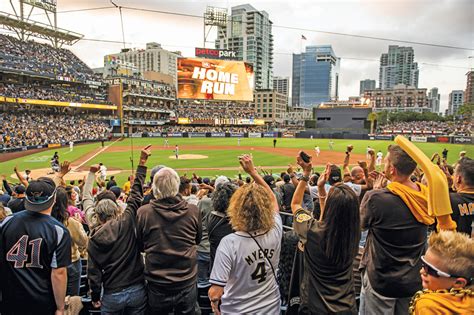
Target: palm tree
<point x="372" y="117"/>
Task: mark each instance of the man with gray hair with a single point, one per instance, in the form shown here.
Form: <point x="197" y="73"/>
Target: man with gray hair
<point x="169" y="230"/>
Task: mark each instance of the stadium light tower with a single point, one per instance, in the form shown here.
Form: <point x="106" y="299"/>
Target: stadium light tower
<point x="214" y="17"/>
<point x="21" y="23"/>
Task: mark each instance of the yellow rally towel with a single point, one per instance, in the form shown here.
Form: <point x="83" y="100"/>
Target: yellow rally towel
<point x="416" y="201"/>
<point x="430" y="303"/>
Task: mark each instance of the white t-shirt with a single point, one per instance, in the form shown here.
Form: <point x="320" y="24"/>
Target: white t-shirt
<point x="241" y="267"/>
<point x="103" y="170"/>
<point x="71" y="144"/>
<point x="355" y="187"/>
<point x="317" y="149"/>
<point x="379" y="155"/>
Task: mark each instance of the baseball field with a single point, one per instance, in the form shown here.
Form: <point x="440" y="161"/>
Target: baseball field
<point x="208" y="157"/>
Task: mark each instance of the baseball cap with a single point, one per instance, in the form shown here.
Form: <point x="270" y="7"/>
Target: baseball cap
<point x="220" y="180"/>
<point x="40" y="194"/>
<point x="335" y="175"/>
<point x="116" y="190"/>
<point x="206" y="180"/>
<point x="269" y="180"/>
<point x="19" y="189"/>
<point x="106" y="195"/>
<point x="286" y="178"/>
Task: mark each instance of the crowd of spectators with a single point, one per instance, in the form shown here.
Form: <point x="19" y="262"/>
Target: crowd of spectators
<point x="346" y="240"/>
<point x="30" y="127"/>
<point x="63" y="92"/>
<point x="213" y="110"/>
<point x="44" y="60"/>
<point x="458" y="128"/>
<point x="200" y="129"/>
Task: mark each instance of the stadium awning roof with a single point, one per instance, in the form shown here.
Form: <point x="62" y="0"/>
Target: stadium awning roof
<point x="38" y="29"/>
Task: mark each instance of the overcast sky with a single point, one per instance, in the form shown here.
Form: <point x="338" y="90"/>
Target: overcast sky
<point x="447" y="22"/>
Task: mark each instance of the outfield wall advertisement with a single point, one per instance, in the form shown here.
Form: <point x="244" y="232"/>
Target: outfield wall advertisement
<point x="210" y="79"/>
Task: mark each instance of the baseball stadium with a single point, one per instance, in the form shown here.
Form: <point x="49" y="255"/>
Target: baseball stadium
<point x="171" y="182"/>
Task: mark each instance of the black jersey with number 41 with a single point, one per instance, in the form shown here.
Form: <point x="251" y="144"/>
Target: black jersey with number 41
<point x="31" y="245"/>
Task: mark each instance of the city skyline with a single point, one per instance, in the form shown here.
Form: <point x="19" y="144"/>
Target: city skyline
<point x="448" y="23"/>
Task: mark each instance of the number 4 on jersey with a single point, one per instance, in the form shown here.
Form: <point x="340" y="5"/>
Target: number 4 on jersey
<point x="18" y="255"/>
<point x="260" y="273"/>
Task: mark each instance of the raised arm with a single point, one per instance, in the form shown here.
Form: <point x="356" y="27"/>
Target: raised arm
<point x="247" y="165"/>
<point x="368" y="180"/>
<point x="136" y="193"/>
<point x="20" y="178"/>
<point x="87" y="199"/>
<point x="297" y="200"/>
<point x="372" y="160"/>
<point x="345" y="168"/>
<point x="321" y="189"/>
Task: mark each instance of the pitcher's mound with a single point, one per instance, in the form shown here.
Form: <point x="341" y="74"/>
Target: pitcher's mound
<point x="189" y="157"/>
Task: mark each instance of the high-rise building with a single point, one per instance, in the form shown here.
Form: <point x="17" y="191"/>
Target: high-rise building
<point x="315" y="76"/>
<point x="153" y="58"/>
<point x="400" y="98"/>
<point x="398" y="66"/>
<point x="456" y="99"/>
<point x="469" y="93"/>
<point x="433" y="100"/>
<point x="282" y="85"/>
<point x="365" y="85"/>
<point x="249" y="33"/>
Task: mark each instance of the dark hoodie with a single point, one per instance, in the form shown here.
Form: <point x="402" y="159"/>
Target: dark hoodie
<point x="169" y="231"/>
<point x="114" y="257"/>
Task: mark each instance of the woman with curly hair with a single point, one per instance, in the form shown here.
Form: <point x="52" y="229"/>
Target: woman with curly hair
<point x="218" y="225"/>
<point x="78" y="239"/>
<point x="330" y="245"/>
<point x="243" y="277"/>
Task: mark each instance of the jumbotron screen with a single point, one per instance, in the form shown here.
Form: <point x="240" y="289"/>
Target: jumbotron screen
<point x="210" y="79"/>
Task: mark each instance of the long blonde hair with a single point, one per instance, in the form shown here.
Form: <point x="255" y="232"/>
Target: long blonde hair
<point x="250" y="209"/>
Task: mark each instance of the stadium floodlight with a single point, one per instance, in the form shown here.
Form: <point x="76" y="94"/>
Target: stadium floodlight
<point x="25" y="27"/>
<point x="215" y="17"/>
<point x="47" y="5"/>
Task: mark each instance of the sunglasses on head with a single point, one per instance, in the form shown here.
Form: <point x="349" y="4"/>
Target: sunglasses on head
<point x="38" y="199"/>
<point x="435" y="272"/>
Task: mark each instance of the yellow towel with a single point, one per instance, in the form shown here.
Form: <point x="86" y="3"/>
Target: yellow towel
<point x="416" y="201"/>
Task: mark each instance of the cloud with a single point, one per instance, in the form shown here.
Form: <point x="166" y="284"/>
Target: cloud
<point x="447" y="22"/>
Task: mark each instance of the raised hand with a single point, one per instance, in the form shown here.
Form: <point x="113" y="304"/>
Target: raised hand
<point x="247" y="164"/>
<point x="349" y="148"/>
<point x="145" y="153"/>
<point x="94" y="168"/>
<point x="324" y="176"/>
<point x="65" y="168"/>
<point x="306" y="166"/>
<point x="362" y="164"/>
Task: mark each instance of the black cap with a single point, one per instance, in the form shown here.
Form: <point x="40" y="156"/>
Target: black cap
<point x="286" y="178"/>
<point x="19" y="189"/>
<point x="116" y="190"/>
<point x="335" y="175"/>
<point x="40" y="194"/>
<point x="269" y="180"/>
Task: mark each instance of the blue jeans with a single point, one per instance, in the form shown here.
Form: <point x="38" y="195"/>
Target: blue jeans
<point x="203" y="260"/>
<point x="131" y="300"/>
<point x="74" y="278"/>
<point x="180" y="302"/>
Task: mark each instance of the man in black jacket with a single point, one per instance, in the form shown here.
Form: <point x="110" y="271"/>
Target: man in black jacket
<point x="169" y="230"/>
<point x="115" y="264"/>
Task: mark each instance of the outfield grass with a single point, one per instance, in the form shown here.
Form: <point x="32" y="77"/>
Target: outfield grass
<point x="217" y="158"/>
